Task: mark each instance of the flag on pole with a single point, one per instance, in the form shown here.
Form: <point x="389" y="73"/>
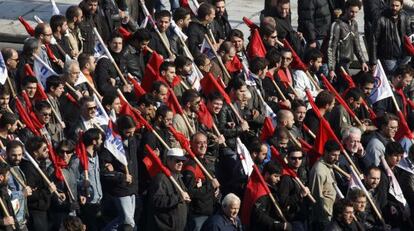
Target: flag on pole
<point x="151" y="73"/>
<point x="57" y="161"/>
<point x="245" y="157"/>
<point x="382" y="88"/>
<point x="204" y="116"/>
<point x="153" y="163"/>
<point x="406" y="165"/>
<point x="3" y="70"/>
<point x="395" y="188"/>
<point x="144" y="22"/>
<point x="178" y="31"/>
<point x="55" y="9"/>
<point x="207" y="49"/>
<point x="101" y="115"/>
<point x="42" y="70"/>
<point x="255" y="48"/>
<point x="267" y="130"/>
<point x="296" y="61"/>
<point x="98" y="49"/>
<point x="27" y="26"/>
<point x="113" y="143"/>
<point x="256" y="187"/>
<point x="80" y="150"/>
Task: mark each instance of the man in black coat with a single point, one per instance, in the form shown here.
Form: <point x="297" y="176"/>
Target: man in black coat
<point x="292" y="196"/>
<point x="221" y="20"/>
<point x="7" y="221"/>
<point x="121" y="181"/>
<point x="167" y="206"/>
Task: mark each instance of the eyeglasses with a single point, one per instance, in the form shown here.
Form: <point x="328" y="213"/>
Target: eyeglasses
<point x="46" y="114"/>
<point x="296" y="158"/>
<point x="47" y="34"/>
<point x="287" y="58"/>
<point x="178" y="161"/>
<point x="273" y="37"/>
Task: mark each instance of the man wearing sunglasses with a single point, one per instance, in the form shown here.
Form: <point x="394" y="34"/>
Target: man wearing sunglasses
<point x="168" y="207"/>
<point x="292" y="196"/>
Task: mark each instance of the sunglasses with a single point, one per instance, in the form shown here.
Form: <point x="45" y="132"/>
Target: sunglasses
<point x="178" y="161"/>
<point x="46" y="114"/>
<point x="296" y="158"/>
<point x="92" y="108"/>
<point x="66" y="151"/>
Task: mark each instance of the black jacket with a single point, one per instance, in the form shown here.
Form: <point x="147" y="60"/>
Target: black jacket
<point x="264" y="216"/>
<point x="4" y="194"/>
<point x="40" y="198"/>
<point x="166" y="210"/>
<point x="202" y="199"/>
<point x="222" y="25"/>
<point x="114" y="182"/>
<point x="388" y="41"/>
<point x="196" y="32"/>
<point x="315" y="17"/>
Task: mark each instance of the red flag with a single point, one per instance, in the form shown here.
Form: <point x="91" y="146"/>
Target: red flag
<point x="126" y="109"/>
<point x="209" y="84"/>
<point x="256" y="188"/>
<point x="40" y="92"/>
<point x="255" y="48"/>
<point x="249" y="23"/>
<point x="296" y="62"/>
<point x="151" y="73"/>
<point x="50" y="53"/>
<point x="268" y="130"/>
<point x="403" y="129"/>
<point x="278" y="157"/>
<point x="204" y="116"/>
<point x="338" y="97"/>
<point x="126" y="35"/>
<point x="306" y="147"/>
<point x="184" y="143"/>
<point x="324" y="133"/>
<point x="25" y="117"/>
<point x="27" y="26"/>
<point x="139" y="91"/>
<point x="153" y="163"/>
<point x="58" y="162"/>
<point x="408" y="45"/>
<point x="81" y="153"/>
<point x="234" y="65"/>
<point x="172" y="102"/>
<point x="71" y="99"/>
<point x="35" y="121"/>
<point x="348" y="79"/>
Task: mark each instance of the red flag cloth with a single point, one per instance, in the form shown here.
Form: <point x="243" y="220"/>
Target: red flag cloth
<point x="126" y="109"/>
<point x="50" y="53"/>
<point x="184" y="142"/>
<point x="126" y="35"/>
<point x="408" y="45"/>
<point x="255" y="48"/>
<point x="35" y="121"/>
<point x="283" y="77"/>
<point x="209" y="84"/>
<point x="58" y="162"/>
<point x="234" y="65"/>
<point x="172" y="102"/>
<point x="139" y="91"/>
<point x="278" y="157"/>
<point x="372" y="115"/>
<point x="348" y="79"/>
<point x="256" y="188"/>
<point x="71" y="99"/>
<point x="25" y="117"/>
<point x="27" y="26"/>
<point x="306" y="147"/>
<point x="204" y="116"/>
<point x="338" y="97"/>
<point x="153" y="163"/>
<point x="151" y="73"/>
<point x="324" y="133"/>
<point x="403" y="129"/>
<point x="81" y="153"/>
<point x="249" y="23"/>
<point x="267" y="130"/>
<point x="296" y="62"/>
<point x="40" y="92"/>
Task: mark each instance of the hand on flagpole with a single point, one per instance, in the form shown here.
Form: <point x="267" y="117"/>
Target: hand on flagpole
<point x="186" y="198"/>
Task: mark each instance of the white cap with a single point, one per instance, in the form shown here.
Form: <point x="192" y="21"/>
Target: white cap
<point x="176" y="153"/>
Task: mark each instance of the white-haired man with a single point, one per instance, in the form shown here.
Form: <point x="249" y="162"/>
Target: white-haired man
<point x="227" y="218"/>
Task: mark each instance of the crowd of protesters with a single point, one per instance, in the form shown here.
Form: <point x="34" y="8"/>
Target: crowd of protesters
<point x="170" y="119"/>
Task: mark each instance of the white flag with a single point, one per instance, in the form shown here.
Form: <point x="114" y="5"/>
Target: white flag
<point x="207" y="49"/>
<point x="382" y="88"/>
<point x="178" y="31"/>
<point x="144" y="23"/>
<point x="395" y="188"/>
<point x="407" y="165"/>
<point x="101" y="115"/>
<point x="81" y="79"/>
<point x="42" y="70"/>
<point x="245" y="157"/>
<point x="3" y="70"/>
<point x="55" y="9"/>
<point x="99" y="49"/>
<point x="114" y="144"/>
<point x="195" y="77"/>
